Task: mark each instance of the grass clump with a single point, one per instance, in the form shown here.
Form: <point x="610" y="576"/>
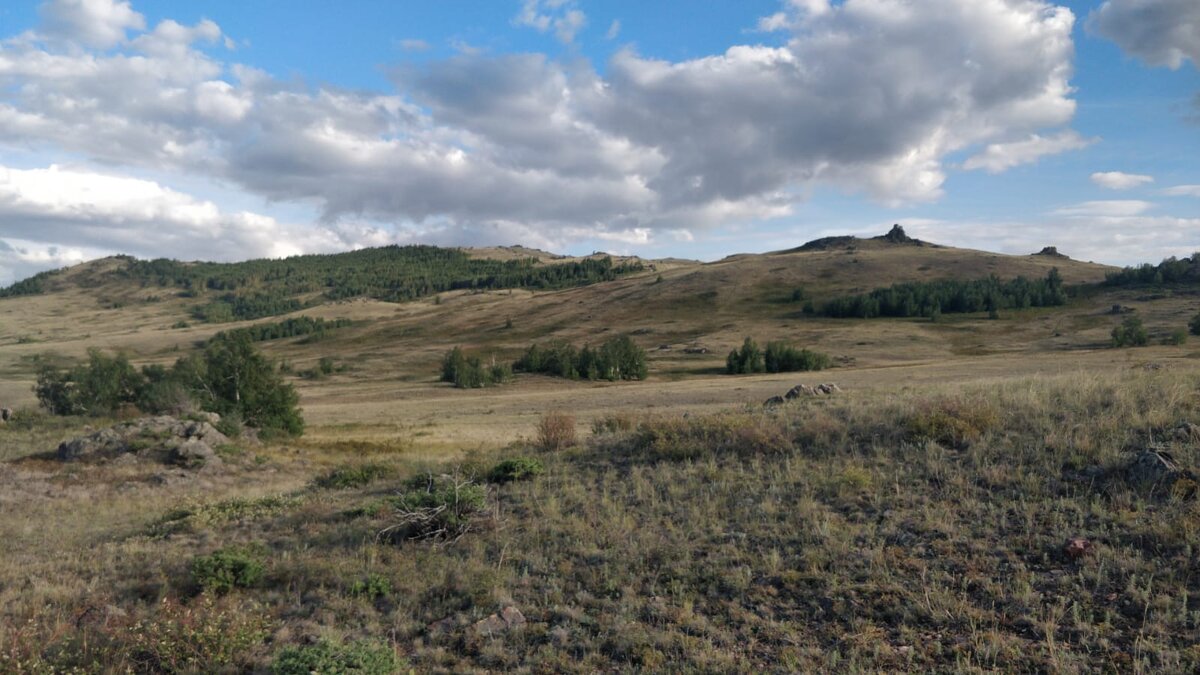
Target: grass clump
<point x="683" y="438"/>
<point x="352" y="476"/>
<point x="365" y="657"/>
<point x="205" y="636"/>
<point x="952" y="423"/>
<point x="556" y="431"/>
<point x="192" y="518"/>
<point x="228" y="568"/>
<point x="518" y="468"/>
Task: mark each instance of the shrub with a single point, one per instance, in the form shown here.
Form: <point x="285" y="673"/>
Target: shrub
<point x="749" y="359"/>
<point x="784" y="358"/>
<point x="613" y="423"/>
<point x="1194" y="325"/>
<point x="519" y="468"/>
<point x="1131" y="333"/>
<point x="436" y="509"/>
<point x="373" y="587"/>
<point x="206" y="636"/>
<point x="556" y="431"/>
<point x="354" y="476"/>
<point x="1178" y="336"/>
<point x="97" y="388"/>
<point x="365" y="657"/>
<point x="226" y="569"/>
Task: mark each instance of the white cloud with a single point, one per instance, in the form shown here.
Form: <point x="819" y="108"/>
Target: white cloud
<point x="868" y="96"/>
<point x="413" y="45"/>
<point x="561" y="16"/>
<point x="1182" y="191"/>
<point x="1158" y="32"/>
<point x="614" y="29"/>
<point x="1109" y="208"/>
<point x="1117" y="180"/>
<point x="92" y="23"/>
<point x="998" y="157"/>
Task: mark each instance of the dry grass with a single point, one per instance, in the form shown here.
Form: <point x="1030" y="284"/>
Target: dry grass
<point x="556" y="431"/>
<point x="821" y="536"/>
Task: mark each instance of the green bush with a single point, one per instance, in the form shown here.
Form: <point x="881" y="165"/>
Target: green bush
<point x="354" y="476"/>
<point x="326" y="658"/>
<point x="226" y="569"/>
<point x="1178" y="336"/>
<point x="518" y="468"/>
<point x="373" y="587"/>
<point x="436" y="508"/>
<point x="749" y="359"/>
<point x="99" y="387"/>
<point x="1131" y="333"/>
<point x="781" y="357"/>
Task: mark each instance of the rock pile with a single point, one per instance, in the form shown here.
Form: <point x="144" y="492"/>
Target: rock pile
<point x="824" y="389"/>
<point x="188" y="443"/>
<point x="1156" y="473"/>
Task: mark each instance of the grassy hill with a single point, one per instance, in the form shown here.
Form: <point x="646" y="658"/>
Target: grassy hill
<point x="918" y="520"/>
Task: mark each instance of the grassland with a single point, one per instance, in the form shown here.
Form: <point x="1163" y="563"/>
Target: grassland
<point x="914" y="522"/>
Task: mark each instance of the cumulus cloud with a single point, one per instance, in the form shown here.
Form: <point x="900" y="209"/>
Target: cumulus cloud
<point x="998" y="157"/>
<point x="91" y="23"/>
<point x="867" y="96"/>
<point x="1158" y="32"/>
<point x="1117" y="180"/>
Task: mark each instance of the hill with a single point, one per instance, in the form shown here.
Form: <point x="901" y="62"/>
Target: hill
<point x="977" y="492"/>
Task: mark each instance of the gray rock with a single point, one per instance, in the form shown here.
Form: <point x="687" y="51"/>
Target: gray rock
<point x="773" y="401"/>
<point x="508" y="618"/>
<point x="798" y="391"/>
<point x="193" y="454"/>
<point x="6" y="414"/>
<point x="1155" y="472"/>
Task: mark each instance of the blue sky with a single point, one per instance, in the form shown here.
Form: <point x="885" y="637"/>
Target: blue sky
<point x="225" y="130"/>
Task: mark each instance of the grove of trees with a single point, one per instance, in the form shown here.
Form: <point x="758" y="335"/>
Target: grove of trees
<point x="931" y="298"/>
<point x="618" y="358"/>
<point x="230" y="377"/>
<point x="779" y="357"/>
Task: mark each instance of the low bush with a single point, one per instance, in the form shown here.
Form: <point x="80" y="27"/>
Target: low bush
<point x="441" y="509"/>
<point x="365" y="657"/>
<point x="556" y="431"/>
<point x="226" y="569"/>
<point x="614" y="423"/>
<point x="205" y="636"/>
<point x="1131" y="333"/>
<point x="373" y="587"/>
<point x="518" y="468"/>
<point x="355" y="475"/>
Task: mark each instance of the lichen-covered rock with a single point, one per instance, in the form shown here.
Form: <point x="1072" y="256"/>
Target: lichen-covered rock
<point x="188" y="443"/>
<point x="1156" y="473"/>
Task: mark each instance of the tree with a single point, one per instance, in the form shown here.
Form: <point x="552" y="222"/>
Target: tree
<point x="1131" y="333"/>
<point x="747" y="360"/>
<point x="1194" y="325"/>
<point x="232" y="376"/>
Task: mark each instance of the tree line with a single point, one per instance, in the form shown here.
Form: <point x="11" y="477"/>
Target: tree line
<point x="932" y="298"/>
<point x="293" y="327"/>
<point x="1170" y="271"/>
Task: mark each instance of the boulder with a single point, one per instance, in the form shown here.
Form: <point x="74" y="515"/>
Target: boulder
<point x="773" y="401"/>
<point x="6" y="414"/>
<point x="193" y="454"/>
<point x="798" y="391"/>
<point x="506" y="619"/>
<point x="1155" y="472"/>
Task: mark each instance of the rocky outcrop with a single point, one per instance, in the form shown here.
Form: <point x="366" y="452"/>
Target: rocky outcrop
<point x="190" y="443"/>
<point x="1155" y="473"/>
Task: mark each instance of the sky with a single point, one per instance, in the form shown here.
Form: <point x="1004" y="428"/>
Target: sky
<point x="227" y="130"/>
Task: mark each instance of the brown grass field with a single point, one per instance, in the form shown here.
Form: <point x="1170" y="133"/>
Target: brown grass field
<point x="914" y="522"/>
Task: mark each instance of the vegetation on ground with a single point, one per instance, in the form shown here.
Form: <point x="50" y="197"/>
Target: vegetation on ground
<point x="230" y="377"/>
<point x="1170" y="271"/>
<point x="316" y="329"/>
<point x="779" y="357"/>
<point x="618" y="358"/>
<point x="470" y="372"/>
<point x="949" y="296"/>
<point x="1131" y="333"/>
